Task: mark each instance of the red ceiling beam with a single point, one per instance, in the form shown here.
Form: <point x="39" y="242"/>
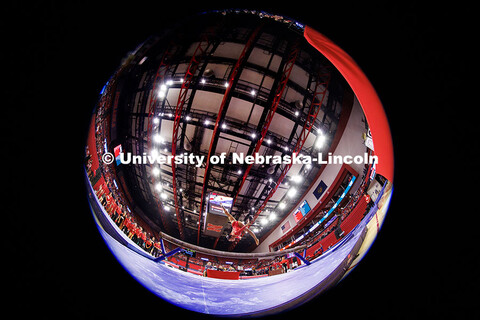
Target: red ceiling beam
<point x="157" y="82"/>
<point x="317" y="100"/>
<point x="278" y="95"/>
<point x="182" y="98"/>
<point x="226" y="97"/>
<point x="287" y="70"/>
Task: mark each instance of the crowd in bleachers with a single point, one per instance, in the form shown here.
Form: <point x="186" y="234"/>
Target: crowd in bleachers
<point x="247" y="268"/>
<point x="104" y="186"/>
<point x="126" y="222"/>
<point x="323" y="239"/>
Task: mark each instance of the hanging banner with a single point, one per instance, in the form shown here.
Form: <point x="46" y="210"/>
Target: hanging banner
<point x="320" y="189"/>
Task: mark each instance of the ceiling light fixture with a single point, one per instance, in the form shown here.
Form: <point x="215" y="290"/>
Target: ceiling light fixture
<point x="158" y="138"/>
<point x="292" y="192"/>
<point x="297" y="178"/>
<point x="320" y="141"/>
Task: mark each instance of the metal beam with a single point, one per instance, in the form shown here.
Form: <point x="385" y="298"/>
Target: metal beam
<point x="316" y="103"/>
<point x="287" y="69"/>
<point x="226" y="254"/>
<point x="317" y="100"/>
<point x="157" y="82"/>
<point x="233" y="79"/>
<point x="182" y="98"/>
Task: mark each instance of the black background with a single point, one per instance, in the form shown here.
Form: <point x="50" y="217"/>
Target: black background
<point x="57" y="56"/>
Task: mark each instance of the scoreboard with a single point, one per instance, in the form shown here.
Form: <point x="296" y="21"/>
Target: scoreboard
<point x="215" y="201"/>
<point x="216" y="220"/>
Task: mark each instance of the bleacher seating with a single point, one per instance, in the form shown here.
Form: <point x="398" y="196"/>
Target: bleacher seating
<point x="355" y="216"/>
<point x="347" y="225"/>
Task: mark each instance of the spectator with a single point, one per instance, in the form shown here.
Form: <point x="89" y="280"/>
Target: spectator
<point x="157" y="248"/>
<point x="149" y="245"/>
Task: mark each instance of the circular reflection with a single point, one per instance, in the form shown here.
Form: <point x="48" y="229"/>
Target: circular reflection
<point x="239" y="164"/>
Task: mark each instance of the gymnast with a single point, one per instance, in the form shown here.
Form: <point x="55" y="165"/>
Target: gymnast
<point x="238" y="228"/>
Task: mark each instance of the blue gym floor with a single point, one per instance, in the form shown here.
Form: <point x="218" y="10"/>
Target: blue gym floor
<point x="257" y="296"/>
<point x="235" y="297"/>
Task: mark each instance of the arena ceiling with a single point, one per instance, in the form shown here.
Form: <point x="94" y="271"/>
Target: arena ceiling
<point x="232" y="85"/>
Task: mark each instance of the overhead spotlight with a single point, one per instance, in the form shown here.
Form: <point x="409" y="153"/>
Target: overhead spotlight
<point x="188" y="118"/>
<point x="158" y="138"/>
<point x="270" y="180"/>
<point x="297" y="178"/>
<point x="255" y="230"/>
<point x="158" y="186"/>
<point x="156" y="120"/>
<point x="154" y="153"/>
<point x="253" y="92"/>
<point x="163" y="91"/>
<point x="264" y="221"/>
<point x="273" y="216"/>
<point x="156" y="171"/>
<point x="167" y="208"/>
<point x="292" y="192"/>
<point x="169" y="82"/>
<point x="142" y="61"/>
<point x="226" y="84"/>
<point x="253" y="135"/>
<point x="224" y="126"/>
<point x="282" y="205"/>
<point x="239" y="172"/>
<point x="297" y="113"/>
<point x="320" y="141"/>
<point x="163" y="195"/>
<point x="269" y="141"/>
<point x="206" y="122"/>
<point x="203" y="81"/>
